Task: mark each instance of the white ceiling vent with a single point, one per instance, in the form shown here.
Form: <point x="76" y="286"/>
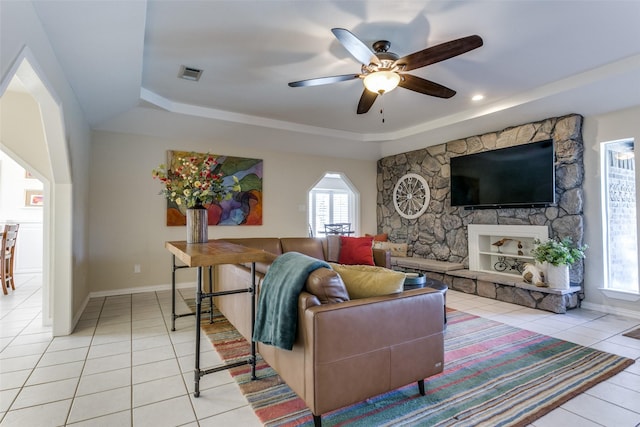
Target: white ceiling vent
<point x="189" y="73"/>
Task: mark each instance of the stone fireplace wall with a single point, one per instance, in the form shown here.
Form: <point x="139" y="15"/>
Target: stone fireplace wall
<point x="441" y="233"/>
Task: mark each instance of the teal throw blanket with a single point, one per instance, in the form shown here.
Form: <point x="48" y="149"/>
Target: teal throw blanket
<point x="277" y="317"/>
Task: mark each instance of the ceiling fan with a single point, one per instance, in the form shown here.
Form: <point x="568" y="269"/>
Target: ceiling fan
<point x="382" y="71"/>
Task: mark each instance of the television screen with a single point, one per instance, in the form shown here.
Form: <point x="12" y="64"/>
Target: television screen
<point x="523" y="175"/>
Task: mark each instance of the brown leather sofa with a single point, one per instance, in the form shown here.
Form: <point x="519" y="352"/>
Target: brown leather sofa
<point x="349" y="351"/>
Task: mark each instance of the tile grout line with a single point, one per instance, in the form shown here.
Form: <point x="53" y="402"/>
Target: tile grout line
<point x="24" y="385"/>
<point x="84" y="364"/>
<point x="173" y="347"/>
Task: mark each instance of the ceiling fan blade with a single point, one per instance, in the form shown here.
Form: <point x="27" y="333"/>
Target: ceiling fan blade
<point x="366" y="101"/>
<point x="355" y="46"/>
<point x="324" y="80"/>
<point x="418" y="84"/>
<point x="438" y="53"/>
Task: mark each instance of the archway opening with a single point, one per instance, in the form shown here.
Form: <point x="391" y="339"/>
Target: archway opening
<point x="33" y="135"/>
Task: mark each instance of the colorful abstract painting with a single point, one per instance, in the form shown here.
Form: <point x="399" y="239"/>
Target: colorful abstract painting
<point x="243" y="208"/>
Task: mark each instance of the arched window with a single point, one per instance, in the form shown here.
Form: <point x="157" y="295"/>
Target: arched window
<point x="332" y="200"/>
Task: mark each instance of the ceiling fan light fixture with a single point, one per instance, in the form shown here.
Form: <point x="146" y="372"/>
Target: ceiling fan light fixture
<point x="381" y="81"/>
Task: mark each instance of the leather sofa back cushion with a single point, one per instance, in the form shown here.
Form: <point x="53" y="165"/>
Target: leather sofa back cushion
<point x="305" y="245"/>
<point x="327" y="286"/>
<point x="356" y="250"/>
<point x="332" y="247"/>
<point x="363" y="281"/>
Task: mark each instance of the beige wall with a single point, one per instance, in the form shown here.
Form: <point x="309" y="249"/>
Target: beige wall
<point x="22" y="131"/>
<point x="598" y="129"/>
<point x="127" y="216"/>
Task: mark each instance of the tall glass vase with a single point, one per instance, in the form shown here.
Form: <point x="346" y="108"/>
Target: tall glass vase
<point x="197" y="225"/>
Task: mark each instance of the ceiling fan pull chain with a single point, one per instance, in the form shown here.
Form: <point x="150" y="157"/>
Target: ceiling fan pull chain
<point x="382" y="105"/>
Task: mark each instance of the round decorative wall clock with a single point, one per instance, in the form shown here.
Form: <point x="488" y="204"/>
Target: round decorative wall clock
<point x="411" y="196"/>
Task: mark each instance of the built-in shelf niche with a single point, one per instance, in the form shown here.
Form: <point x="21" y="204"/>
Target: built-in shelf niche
<point x="485" y="256"/>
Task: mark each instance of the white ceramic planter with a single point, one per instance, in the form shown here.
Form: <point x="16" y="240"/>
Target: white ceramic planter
<point x="557" y="276"/>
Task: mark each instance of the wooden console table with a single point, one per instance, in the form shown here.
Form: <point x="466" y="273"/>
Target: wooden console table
<point x="210" y="254"/>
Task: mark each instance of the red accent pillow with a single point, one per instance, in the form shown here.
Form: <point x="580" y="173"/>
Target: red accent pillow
<point x="356" y="250"/>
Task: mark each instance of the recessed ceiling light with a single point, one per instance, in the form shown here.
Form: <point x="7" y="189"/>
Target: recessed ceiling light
<point x="477" y="97"/>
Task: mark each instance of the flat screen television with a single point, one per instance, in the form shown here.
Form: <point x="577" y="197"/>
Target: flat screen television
<point x="519" y="176"/>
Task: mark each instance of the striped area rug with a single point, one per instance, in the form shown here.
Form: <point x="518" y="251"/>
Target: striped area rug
<point x="495" y="375"/>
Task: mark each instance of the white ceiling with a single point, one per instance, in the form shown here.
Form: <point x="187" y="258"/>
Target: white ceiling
<point x="539" y="59"/>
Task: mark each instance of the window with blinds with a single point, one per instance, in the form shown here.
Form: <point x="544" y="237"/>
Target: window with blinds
<point x="619" y="214"/>
<point x="331" y="201"/>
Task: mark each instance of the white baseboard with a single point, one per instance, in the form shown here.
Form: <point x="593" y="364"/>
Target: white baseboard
<point x="611" y="310"/>
<point x="76" y="318"/>
<point x="127" y="291"/>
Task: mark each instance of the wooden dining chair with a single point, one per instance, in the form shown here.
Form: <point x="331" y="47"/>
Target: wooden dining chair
<point x="8" y="256"/>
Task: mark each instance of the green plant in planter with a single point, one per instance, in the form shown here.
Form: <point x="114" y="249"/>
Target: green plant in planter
<point x="557" y="252"/>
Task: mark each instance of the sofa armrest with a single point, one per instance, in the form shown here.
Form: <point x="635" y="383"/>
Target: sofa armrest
<point x="362" y="325"/>
<point x="382" y="257"/>
<point x="361" y="348"/>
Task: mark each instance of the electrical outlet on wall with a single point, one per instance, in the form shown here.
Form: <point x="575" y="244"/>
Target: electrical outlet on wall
<point x="136" y="268"/>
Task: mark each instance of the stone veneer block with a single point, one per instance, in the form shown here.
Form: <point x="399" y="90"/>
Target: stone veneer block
<point x="464" y="285"/>
<point x="435" y="276"/>
<point x="524" y="298"/>
<point x="505" y="293"/>
<point x="486" y="289"/>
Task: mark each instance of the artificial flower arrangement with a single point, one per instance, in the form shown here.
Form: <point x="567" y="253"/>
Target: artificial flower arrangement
<point x="194" y="182"/>
<point x="557" y="252"/>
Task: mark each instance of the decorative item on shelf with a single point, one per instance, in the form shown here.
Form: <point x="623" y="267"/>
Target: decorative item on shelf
<point x="501" y="242"/>
<point x="512" y="263"/>
<point x="555" y="257"/>
<point x="533" y="274"/>
<point x="195" y="183"/>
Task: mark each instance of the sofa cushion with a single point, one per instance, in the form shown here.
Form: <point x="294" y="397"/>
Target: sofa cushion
<point x="332" y="250"/>
<point x="363" y="281"/>
<point x="356" y="250"/>
<point x="327" y="286"/>
<point x="383" y="237"/>
<point x="305" y="245"/>
<point x="396" y="249"/>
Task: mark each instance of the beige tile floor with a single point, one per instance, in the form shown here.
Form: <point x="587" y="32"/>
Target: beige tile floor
<point x="123" y="367"/>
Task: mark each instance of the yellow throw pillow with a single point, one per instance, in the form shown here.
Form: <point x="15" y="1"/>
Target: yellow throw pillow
<point x="363" y="281"/>
<point x="396" y="249"/>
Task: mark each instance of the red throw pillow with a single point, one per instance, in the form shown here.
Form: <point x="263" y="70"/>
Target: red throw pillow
<point x="356" y="250"/>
